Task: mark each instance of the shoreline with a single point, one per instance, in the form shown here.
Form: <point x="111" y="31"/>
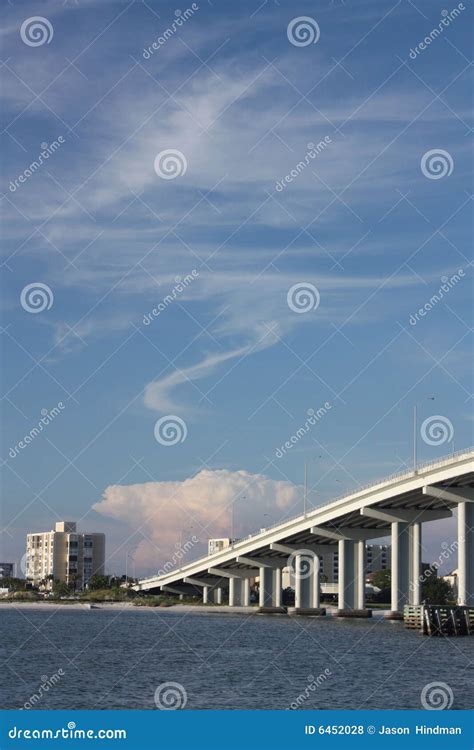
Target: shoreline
<point x="176" y="608"/>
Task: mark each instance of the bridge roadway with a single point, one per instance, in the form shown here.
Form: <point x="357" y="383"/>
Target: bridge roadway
<point x="396" y="507"/>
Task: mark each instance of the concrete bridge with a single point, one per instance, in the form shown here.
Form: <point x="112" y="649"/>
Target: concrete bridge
<point x="396" y="507"/>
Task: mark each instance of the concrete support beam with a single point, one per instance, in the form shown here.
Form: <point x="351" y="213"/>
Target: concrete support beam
<point x="232" y="572"/>
<point x="260" y="562"/>
<point x="415" y="564"/>
<point x="267" y="595"/>
<point x="307" y="582"/>
<point x="406" y="561"/>
<point x="218" y="595"/>
<point x="345" y="532"/>
<point x="277" y="583"/>
<point x="171" y="590"/>
<point x="196" y="582"/>
<point x="401" y="515"/>
<point x="235" y="592"/>
<point x="348" y="559"/>
<point x="466" y="554"/>
<point x="246" y="592"/>
<point x="205" y="595"/>
<point x="451" y="494"/>
<point x="360" y="575"/>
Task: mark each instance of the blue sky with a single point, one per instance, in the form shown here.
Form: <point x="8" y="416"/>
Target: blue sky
<point x="111" y="238"/>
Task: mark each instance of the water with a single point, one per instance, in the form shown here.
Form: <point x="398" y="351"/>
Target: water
<point x="117" y="659"/>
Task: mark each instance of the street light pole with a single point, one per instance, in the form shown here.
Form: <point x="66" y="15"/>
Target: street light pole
<point x="305" y="493"/>
<point x="415" y="432"/>
<point x="415" y="426"/>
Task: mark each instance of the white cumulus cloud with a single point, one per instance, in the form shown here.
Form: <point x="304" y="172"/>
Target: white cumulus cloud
<point x="164" y="514"/>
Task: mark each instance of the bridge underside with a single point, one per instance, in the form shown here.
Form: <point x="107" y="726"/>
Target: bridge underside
<point x="299" y="543"/>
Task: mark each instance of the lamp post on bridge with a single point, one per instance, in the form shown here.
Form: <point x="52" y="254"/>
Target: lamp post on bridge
<point x="415" y="430"/>
<point x="244" y="497"/>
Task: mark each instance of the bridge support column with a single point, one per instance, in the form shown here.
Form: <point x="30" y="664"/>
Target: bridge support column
<point x="351" y="582"/>
<point x="246" y="592"/>
<point x="316" y="584"/>
<point x="266" y="587"/>
<point x="205" y="594"/>
<point x="415" y="564"/>
<point x="400" y="566"/>
<point x="235" y="592"/>
<point x="218" y="595"/>
<point x="307" y="584"/>
<point x="466" y="553"/>
<point x="360" y="575"/>
<point x="277" y="583"/>
<point x="406" y="565"/>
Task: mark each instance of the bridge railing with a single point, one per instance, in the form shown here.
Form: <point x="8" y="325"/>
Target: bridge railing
<point x="396" y="476"/>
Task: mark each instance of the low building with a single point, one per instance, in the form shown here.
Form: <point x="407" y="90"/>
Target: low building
<point x="452" y="579"/>
<point x="217" y="545"/>
<point x="65" y="555"/>
<point x="7" y="570"/>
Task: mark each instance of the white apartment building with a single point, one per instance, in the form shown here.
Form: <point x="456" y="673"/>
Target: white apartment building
<point x="216" y="545"/>
<point x="65" y="554"/>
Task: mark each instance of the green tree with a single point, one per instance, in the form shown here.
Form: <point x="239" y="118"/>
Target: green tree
<point x="60" y="588"/>
<point x="382" y="579"/>
<point x="99" y="582"/>
<point x="13" y="584"/>
<point x="436" y="591"/>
